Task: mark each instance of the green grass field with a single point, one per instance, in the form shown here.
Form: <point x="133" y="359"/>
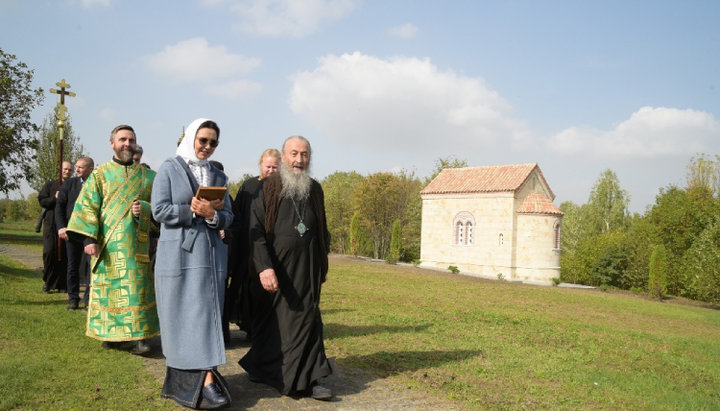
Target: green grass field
<point x="483" y="344"/>
<point x="500" y="345"/>
<point x="21" y="233"/>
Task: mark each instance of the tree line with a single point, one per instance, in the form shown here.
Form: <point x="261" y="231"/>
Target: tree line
<point x="673" y="248"/>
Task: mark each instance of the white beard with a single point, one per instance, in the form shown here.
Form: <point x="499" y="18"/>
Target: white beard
<point x="296" y="185"/>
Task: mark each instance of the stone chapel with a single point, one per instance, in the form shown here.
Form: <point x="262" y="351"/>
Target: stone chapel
<point x="494" y="221"/>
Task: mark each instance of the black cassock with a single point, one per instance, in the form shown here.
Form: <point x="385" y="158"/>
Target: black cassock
<point x="54" y="270"/>
<point x="237" y="294"/>
<point x="287" y="349"/>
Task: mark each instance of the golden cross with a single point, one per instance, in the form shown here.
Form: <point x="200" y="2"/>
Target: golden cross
<point x="63" y="85"/>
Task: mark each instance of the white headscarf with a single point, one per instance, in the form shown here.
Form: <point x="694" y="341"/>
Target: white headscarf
<point x="186" y="150"/>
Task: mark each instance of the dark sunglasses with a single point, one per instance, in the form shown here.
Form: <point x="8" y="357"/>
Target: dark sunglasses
<point x="204" y="140"/>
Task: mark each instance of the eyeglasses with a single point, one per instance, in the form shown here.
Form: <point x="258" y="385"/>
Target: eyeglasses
<point x="204" y="141"/>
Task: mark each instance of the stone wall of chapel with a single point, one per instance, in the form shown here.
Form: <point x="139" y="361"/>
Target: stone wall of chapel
<point x="493" y="214"/>
<point x="537" y="259"/>
<point x="532" y="184"/>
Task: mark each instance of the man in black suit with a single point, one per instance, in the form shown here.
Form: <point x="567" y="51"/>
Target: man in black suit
<point x="77" y="261"/>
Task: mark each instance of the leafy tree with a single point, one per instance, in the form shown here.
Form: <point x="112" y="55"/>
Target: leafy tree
<point x="355" y="234"/>
<point x="608" y="204"/>
<point x="4" y="204"/>
<point x="17" y="101"/>
<point x="380" y="199"/>
<point x="393" y="254"/>
<point x="339" y="188"/>
<point x="701" y="263"/>
<point x="577" y="243"/>
<point x="657" y="283"/>
<point x="412" y="217"/>
<point x="48" y="150"/>
<point x="443" y="163"/>
<point x="33" y="206"/>
<point x="679" y="216"/>
<point x="640" y="242"/>
<point x="704" y="171"/>
<point x="17" y="210"/>
<point x="610" y="262"/>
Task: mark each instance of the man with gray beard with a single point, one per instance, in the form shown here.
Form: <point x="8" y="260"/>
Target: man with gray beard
<point x="290" y="241"/>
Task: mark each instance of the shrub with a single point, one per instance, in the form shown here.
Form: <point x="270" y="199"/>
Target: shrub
<point x="393" y="254"/>
<point x="453" y="269"/>
<point x="657" y="283"/>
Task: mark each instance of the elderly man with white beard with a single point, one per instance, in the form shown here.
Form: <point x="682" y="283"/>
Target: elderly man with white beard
<point x="290" y="243"/>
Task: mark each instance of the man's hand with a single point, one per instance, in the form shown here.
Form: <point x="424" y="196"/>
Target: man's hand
<point x="136" y="208"/>
<point x="268" y="279"/>
<point x="202" y="207"/>
<point x="62" y="233"/>
<point x="217" y="204"/>
<point x="91" y="249"/>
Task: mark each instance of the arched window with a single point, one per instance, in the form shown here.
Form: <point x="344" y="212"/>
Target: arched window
<point x="463" y="227"/>
<point x="556" y="235"/>
<point x="459" y="233"/>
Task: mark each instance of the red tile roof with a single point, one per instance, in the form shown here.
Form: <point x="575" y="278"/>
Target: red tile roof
<point x="536" y="203"/>
<point x="482" y="179"/>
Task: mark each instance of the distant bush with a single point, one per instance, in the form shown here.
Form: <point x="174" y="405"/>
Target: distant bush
<point x="453" y="269"/>
<point x="657" y="284"/>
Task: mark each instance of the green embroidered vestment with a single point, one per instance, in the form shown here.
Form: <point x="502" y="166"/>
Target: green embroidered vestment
<point x="122" y="299"/>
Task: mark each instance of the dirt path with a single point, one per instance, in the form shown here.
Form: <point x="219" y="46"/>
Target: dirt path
<point x="354" y="389"/>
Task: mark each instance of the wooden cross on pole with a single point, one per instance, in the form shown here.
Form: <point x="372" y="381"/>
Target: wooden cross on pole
<point x="63" y="85"/>
<point x="61" y="115"/>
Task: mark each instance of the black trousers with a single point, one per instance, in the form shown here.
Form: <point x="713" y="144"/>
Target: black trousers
<point x="78" y="269"/>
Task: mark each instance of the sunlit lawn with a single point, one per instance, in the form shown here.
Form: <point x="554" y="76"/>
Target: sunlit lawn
<point x="495" y="344"/>
<point x="483" y="344"/>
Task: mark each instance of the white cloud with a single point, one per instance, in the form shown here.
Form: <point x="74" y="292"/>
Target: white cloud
<point x="234" y="90"/>
<point x="405" y="31"/>
<point x="195" y="60"/>
<point x="288" y="17"/>
<point x="649" y="132"/>
<point x="403" y="103"/>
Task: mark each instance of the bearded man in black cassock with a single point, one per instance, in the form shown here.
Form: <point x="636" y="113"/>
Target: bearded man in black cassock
<point x="290" y="243"/>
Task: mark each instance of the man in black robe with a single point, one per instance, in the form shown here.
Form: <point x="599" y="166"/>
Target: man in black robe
<point x="54" y="260"/>
<point x="237" y="295"/>
<point x="290" y="242"/>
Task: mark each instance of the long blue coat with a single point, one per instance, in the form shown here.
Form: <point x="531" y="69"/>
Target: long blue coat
<point x="190" y="270"/>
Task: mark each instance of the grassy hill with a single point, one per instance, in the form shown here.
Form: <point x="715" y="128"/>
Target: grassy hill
<point x="481" y="343"/>
<point x="496" y="344"/>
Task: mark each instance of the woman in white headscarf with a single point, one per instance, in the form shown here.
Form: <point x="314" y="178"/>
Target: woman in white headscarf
<point x="190" y="270"/>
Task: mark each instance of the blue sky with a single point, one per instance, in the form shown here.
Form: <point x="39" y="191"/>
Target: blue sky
<point x="575" y="86"/>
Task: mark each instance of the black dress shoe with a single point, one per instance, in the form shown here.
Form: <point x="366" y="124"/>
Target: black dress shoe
<point x="73" y="305"/>
<point x="321" y="393"/>
<point x="140" y="348"/>
<point x="112" y="345"/>
<point x="213" y="397"/>
<point x="45" y="288"/>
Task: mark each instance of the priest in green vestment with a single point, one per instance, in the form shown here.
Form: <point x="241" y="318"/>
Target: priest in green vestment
<point x="112" y="218"/>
